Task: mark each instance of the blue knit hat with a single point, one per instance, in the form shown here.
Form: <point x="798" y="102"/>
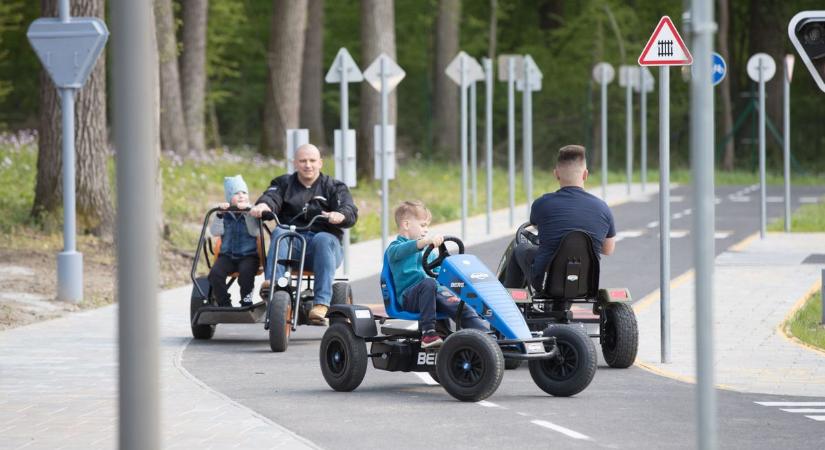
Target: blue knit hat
<point x="233" y="185"/>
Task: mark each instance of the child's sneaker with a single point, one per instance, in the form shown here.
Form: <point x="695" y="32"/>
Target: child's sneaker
<point x="247" y="301"/>
<point x="431" y="339"/>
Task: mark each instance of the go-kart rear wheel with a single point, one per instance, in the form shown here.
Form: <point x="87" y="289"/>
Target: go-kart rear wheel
<point x="620" y="338"/>
<point x="433" y="371"/>
<point x="572" y="370"/>
<point x="343" y="357"/>
<point x="197" y="301"/>
<point x="470" y="365"/>
<point x="279" y="321"/>
<point x="341" y="293"/>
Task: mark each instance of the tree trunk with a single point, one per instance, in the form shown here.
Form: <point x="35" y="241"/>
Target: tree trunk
<point x="172" y="124"/>
<point x="312" y="82"/>
<point x="492" y="39"/>
<point x="154" y="61"/>
<point x="768" y="20"/>
<point x="445" y="95"/>
<point x="93" y="201"/>
<point x="377" y="36"/>
<point x="727" y="108"/>
<point x="193" y="71"/>
<point x="282" y="106"/>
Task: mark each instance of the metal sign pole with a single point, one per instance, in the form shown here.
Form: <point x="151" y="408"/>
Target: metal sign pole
<point x="664" y="210"/>
<point x="69" y="261"/>
<point x="385" y="185"/>
<point x="137" y="273"/>
<point x="344" y="155"/>
<point x="463" y="87"/>
<point x="527" y="138"/>
<point x="643" y="125"/>
<point x="701" y="152"/>
<point x="511" y="136"/>
<point x="473" y="144"/>
<point x="762" y="187"/>
<point x="629" y="127"/>
<point x="604" y="139"/>
<point x="786" y="145"/>
<point x="488" y="128"/>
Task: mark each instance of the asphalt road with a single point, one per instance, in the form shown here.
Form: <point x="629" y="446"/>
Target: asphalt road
<point x="622" y="408"/>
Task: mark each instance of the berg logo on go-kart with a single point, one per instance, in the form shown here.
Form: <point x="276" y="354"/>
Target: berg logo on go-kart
<point x="479" y="276"/>
<point x="426" y="359"/>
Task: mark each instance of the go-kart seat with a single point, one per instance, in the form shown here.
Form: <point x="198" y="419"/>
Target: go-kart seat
<point x="214" y="246"/>
<point x="391" y="304"/>
<point x="573" y="273"/>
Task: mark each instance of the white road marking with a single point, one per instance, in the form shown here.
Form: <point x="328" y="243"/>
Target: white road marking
<point x="523" y="414"/>
<point x="426" y="378"/>
<point x="676" y="198"/>
<point x="791" y="404"/>
<point x="722" y="234"/>
<point x="817" y="418"/>
<point x="717" y="201"/>
<point x="740" y="199"/>
<point x="808" y="199"/>
<point x="804" y="410"/>
<point x="487" y="404"/>
<point x="627" y="234"/>
<point x="653" y="224"/>
<point x="560" y="429"/>
<point x="676" y="234"/>
<point x="687" y="212"/>
<point x="677" y="216"/>
<point x="774" y="199"/>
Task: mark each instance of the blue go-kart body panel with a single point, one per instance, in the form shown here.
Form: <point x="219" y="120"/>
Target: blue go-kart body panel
<point x="470" y="280"/>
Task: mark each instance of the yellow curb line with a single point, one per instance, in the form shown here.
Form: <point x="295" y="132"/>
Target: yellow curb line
<point x="783" y="329"/>
<point x="741" y="245"/>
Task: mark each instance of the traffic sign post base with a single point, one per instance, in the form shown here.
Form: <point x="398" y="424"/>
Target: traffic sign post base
<point x="70" y="276"/>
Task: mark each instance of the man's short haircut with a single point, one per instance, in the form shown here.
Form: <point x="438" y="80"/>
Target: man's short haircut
<point x="570" y="154"/>
<point x="411" y="208"/>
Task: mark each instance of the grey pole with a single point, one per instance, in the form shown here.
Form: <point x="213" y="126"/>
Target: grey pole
<point x="762" y="187"/>
<point x="629" y="130"/>
<point x="643" y="126"/>
<point x="137" y="249"/>
<point x="664" y="210"/>
<point x="604" y="139"/>
<point x="385" y="185"/>
<point x="488" y="101"/>
<point x="527" y="137"/>
<point x="701" y="149"/>
<point x="463" y="149"/>
<point x="786" y="146"/>
<point x="822" y="297"/>
<point x="473" y="144"/>
<point x="64" y="11"/>
<point x="344" y="133"/>
<point x="511" y="136"/>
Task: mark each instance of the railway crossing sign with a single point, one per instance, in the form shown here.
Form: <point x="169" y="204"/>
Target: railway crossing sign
<point x="665" y="47"/>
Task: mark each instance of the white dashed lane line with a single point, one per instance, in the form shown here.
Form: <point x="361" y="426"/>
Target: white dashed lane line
<point x="653" y="224"/>
<point x="487" y="404"/>
<point x="806" y="408"/>
<point x="808" y="199"/>
<point x="426" y="378"/>
<point x="560" y="429"/>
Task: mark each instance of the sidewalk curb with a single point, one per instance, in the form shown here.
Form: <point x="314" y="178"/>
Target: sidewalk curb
<point x="782" y="329"/>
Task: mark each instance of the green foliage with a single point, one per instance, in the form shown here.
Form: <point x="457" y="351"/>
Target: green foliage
<point x="18" y="166"/>
<point x="807" y="219"/>
<point x="19" y="67"/>
<point x="805" y="324"/>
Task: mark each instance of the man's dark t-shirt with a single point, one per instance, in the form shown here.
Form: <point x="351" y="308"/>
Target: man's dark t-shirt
<point x="558" y="213"/>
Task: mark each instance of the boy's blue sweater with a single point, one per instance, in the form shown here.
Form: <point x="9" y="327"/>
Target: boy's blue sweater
<point x="405" y="264"/>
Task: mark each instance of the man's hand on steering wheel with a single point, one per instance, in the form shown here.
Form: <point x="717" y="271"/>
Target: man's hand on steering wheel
<point x="334" y="217"/>
<point x="258" y="210"/>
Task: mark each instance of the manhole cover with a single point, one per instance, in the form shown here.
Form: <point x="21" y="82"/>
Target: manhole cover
<point x="814" y="258"/>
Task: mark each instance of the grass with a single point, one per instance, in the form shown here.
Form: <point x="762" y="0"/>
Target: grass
<point x="807" y="219"/>
<point x="805" y="324"/>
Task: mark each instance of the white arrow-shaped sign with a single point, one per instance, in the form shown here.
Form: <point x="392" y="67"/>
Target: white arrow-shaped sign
<point x="534" y="73"/>
<point x="68" y="50"/>
<point x="344" y="62"/>
<point x="393" y="73"/>
<point x="472" y="69"/>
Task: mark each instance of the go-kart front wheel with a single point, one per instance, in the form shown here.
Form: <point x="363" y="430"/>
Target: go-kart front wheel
<point x="470" y="365"/>
<point x="279" y="321"/>
<point x="572" y="370"/>
<point x="343" y="357"/>
<point x="620" y="335"/>
<point x="196" y="302"/>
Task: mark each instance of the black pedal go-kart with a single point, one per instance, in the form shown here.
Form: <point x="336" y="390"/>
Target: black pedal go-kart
<point x="573" y="277"/>
<point x="277" y="308"/>
<point x="470" y="363"/>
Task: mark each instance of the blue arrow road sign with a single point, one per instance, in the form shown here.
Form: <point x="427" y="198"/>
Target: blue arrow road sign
<point x="719" y="67"/>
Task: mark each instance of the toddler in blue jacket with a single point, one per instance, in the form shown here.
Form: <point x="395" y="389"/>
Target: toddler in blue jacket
<point x="239" y="244"/>
<point x="416" y="291"/>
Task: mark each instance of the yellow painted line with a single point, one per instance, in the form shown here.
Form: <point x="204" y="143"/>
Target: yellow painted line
<point x="783" y="329"/>
<point x="743" y="244"/>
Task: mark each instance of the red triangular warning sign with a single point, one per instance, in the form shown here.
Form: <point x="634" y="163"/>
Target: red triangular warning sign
<point x="665" y="47"/>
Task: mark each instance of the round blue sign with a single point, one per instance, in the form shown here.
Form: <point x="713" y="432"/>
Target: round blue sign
<point x="718" y="68"/>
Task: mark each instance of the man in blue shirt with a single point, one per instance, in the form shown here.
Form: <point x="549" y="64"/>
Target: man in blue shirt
<point x="558" y="213"/>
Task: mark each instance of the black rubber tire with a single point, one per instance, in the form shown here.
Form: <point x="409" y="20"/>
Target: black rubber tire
<point x="279" y="326"/>
<point x="470" y="365"/>
<point x="433" y="371"/>
<point x="341" y="293"/>
<point x="620" y="341"/>
<point x="343" y="357"/>
<point x="573" y="371"/>
<point x="512" y="364"/>
<point x="196" y="301"/>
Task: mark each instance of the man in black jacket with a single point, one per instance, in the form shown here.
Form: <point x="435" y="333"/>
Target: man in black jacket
<point x="296" y="199"/>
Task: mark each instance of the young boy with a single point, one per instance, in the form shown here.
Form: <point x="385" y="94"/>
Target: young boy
<point x="239" y="246"/>
<point x="416" y="291"/>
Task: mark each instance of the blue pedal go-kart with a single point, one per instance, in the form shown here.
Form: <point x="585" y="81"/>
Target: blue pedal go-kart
<point x="470" y="363"/>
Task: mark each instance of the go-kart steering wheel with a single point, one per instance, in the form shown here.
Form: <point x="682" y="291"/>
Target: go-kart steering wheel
<point x="443" y="253"/>
<point x="527" y="233"/>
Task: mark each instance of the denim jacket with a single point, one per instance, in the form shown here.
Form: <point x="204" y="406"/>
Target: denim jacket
<point x="239" y="233"/>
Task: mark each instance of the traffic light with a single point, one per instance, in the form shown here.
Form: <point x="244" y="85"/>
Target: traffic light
<point x="807" y="32"/>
